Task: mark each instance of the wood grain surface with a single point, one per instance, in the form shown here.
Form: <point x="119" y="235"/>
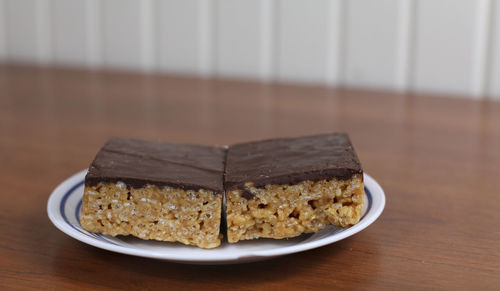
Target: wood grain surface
<point x="437" y="158"/>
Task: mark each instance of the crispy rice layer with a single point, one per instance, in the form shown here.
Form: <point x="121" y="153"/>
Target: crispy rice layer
<point x="283" y="211"/>
<point x="164" y="214"/>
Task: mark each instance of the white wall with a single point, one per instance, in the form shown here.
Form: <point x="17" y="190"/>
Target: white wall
<point x="444" y="46"/>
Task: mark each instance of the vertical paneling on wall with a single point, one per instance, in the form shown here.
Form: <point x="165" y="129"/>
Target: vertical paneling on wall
<point x="445" y="46"/>
<point x="123" y="34"/>
<point x="69" y="26"/>
<point x="371" y="45"/>
<point x="21" y="20"/>
<point x="494" y="69"/>
<point x="93" y="32"/>
<point x="179" y="36"/>
<point x="243" y="39"/>
<point x="148" y="35"/>
<point x="335" y="58"/>
<point x="448" y="46"/>
<point x="43" y="30"/>
<point x="3" y="40"/>
<point x="302" y="40"/>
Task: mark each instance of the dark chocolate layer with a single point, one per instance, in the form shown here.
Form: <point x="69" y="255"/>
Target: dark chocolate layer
<point x="138" y="162"/>
<point x="291" y="160"/>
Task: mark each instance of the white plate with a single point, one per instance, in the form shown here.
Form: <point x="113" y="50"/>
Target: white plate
<point x="64" y="211"/>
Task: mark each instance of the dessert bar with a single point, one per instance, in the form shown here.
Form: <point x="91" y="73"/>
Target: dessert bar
<point x="156" y="190"/>
<point x="282" y="188"/>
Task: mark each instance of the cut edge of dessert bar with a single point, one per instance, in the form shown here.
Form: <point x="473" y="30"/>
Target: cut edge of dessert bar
<point x="150" y="209"/>
<point x="289" y="204"/>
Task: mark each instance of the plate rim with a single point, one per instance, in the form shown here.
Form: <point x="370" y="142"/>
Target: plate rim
<point x="73" y="182"/>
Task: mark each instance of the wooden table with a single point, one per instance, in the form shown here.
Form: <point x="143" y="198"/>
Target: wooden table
<point x="438" y="159"/>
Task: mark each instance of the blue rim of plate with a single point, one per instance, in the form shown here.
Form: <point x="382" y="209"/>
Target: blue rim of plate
<point x="62" y="212"/>
<point x="73" y="188"/>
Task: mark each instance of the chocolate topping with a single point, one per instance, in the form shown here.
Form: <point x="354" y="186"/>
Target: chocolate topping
<point x="137" y="163"/>
<point x="247" y="194"/>
<point x="291" y="160"/>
